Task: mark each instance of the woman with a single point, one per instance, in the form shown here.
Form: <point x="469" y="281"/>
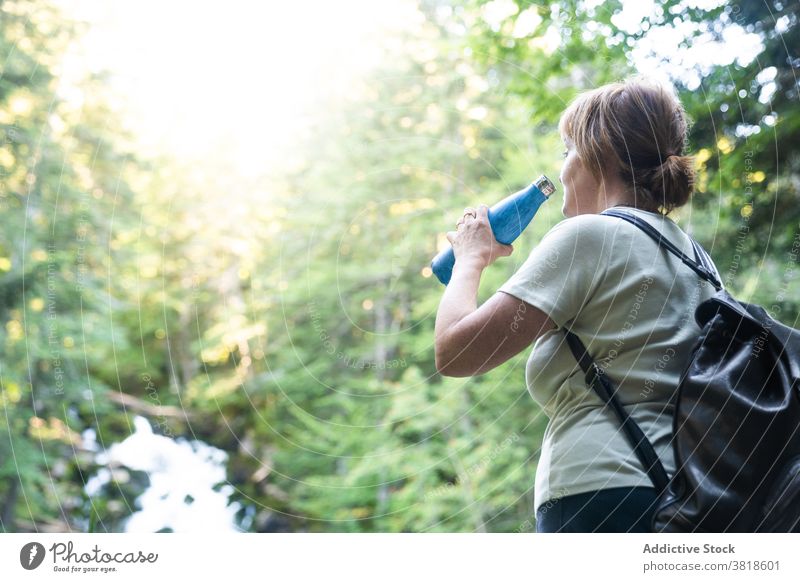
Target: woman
<point x="631" y="304"/>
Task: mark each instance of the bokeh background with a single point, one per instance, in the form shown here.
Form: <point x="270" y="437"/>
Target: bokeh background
<point x="217" y="219"/>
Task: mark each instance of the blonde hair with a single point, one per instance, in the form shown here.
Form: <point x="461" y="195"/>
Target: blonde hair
<point x="638" y="129"/>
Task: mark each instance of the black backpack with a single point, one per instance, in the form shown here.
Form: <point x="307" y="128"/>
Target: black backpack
<point x="736" y="429"/>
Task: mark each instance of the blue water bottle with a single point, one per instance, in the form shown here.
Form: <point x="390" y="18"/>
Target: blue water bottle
<point x="508" y="218"/>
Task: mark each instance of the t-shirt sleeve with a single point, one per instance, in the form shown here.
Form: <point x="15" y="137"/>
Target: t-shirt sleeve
<point x="565" y="269"/>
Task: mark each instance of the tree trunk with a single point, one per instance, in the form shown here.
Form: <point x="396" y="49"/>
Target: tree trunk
<point x="9" y="505"/>
<point x="468" y="430"/>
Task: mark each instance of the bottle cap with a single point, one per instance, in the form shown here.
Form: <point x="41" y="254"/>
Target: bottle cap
<point x="544" y="184"/>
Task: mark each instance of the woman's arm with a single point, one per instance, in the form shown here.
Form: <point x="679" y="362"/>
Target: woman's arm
<point x="481" y="339"/>
<point x="469" y="340"/>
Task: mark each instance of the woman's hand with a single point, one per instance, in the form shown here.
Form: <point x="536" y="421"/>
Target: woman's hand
<point x="473" y="241"/>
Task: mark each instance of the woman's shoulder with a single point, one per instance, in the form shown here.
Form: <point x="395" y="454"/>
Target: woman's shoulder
<point x="591" y="235"/>
<point x="590" y="224"/>
<point x="585" y="226"/>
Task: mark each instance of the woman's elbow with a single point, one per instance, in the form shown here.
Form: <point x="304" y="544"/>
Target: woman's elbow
<point x="442" y="364"/>
<point x="452" y="372"/>
<point x="452" y="358"/>
<point x="453" y="367"/>
<point x="448" y="366"/>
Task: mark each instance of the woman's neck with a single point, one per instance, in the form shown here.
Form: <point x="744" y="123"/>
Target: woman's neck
<point x="613" y="192"/>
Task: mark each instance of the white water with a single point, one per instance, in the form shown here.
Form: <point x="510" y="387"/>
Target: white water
<point x="182" y="476"/>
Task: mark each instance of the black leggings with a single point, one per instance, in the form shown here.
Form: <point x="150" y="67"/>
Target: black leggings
<point x="619" y="509"/>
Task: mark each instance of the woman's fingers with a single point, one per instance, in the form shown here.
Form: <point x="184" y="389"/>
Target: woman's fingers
<point x="471" y="214"/>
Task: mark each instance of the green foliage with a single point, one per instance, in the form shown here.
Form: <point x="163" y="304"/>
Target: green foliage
<point x="288" y="318"/>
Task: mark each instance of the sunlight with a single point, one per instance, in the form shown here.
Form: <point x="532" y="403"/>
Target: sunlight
<point x="200" y="78"/>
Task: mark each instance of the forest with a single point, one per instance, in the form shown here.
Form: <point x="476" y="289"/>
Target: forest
<point x="276" y="327"/>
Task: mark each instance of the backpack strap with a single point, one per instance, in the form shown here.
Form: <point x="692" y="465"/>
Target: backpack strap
<point x="595" y="375"/>
<point x="701" y="266"/>
<point x="701" y="256"/>
<point x="597" y="380"/>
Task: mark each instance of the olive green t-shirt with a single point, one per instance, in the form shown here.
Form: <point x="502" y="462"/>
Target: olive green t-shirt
<point x="632" y="304"/>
